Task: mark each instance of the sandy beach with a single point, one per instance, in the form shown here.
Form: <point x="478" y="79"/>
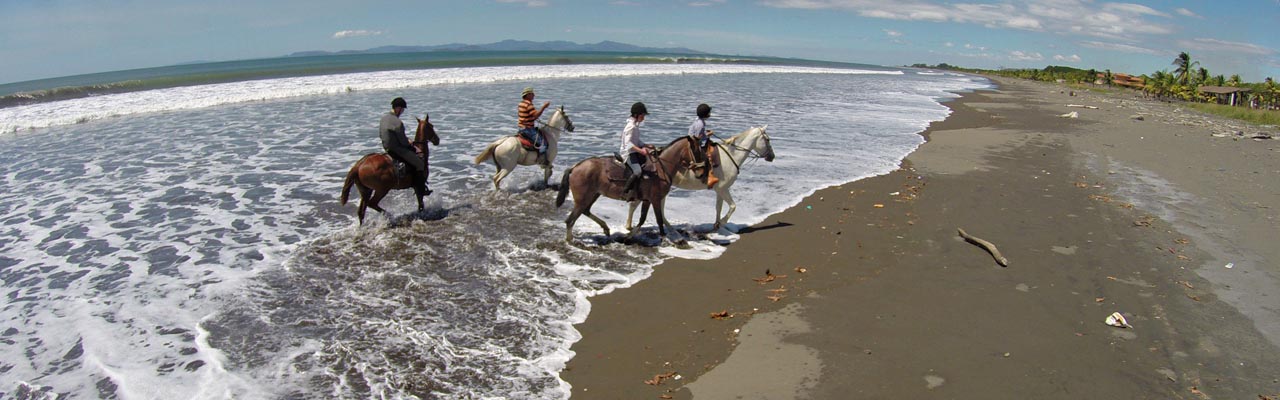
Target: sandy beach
<point x="865" y="290"/>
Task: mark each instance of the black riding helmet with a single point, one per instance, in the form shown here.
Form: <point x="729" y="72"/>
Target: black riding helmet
<point x="638" y="108"/>
<point x="399" y="102"/>
<point x="704" y="111"/>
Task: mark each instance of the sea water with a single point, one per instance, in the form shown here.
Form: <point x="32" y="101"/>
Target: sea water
<point x="188" y="242"/>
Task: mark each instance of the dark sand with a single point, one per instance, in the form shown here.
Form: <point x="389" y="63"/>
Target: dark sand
<point x="1096" y="214"/>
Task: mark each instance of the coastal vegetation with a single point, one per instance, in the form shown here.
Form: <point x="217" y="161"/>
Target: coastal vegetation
<point x="1228" y="96"/>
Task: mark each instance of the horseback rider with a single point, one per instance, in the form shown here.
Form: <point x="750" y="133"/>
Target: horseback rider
<point x="391" y="131"/>
<point x="702" y="142"/>
<point x="528" y="119"/>
<point x="636" y="150"/>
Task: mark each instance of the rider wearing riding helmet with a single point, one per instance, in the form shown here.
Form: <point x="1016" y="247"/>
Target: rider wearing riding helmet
<point x="391" y="131"/>
<point x="701" y="138"/>
<point x="636" y="150"/>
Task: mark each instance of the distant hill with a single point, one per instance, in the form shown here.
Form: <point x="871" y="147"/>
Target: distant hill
<point x="511" y="45"/>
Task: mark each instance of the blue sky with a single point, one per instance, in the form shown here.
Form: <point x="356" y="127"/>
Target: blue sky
<point x="50" y="38"/>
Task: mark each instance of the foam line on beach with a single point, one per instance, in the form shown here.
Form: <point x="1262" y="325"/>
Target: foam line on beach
<point x="86" y="109"/>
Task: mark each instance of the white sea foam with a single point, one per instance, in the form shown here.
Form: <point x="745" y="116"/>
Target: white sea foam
<point x="82" y="110"/>
<point x="135" y="248"/>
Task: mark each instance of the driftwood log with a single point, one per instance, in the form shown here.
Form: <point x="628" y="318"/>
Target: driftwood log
<point x="991" y="248"/>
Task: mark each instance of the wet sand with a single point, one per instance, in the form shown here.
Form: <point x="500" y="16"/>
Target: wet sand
<point x="873" y="294"/>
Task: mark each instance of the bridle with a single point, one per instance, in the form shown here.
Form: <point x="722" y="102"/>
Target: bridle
<point x="752" y="154"/>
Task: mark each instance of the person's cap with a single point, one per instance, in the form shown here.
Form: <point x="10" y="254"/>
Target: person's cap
<point x="639" y="109"/>
<point x="399" y="102"/>
<point x="527" y="91"/>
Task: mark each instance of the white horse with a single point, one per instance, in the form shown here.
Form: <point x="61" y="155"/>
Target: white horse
<point x="507" y="152"/>
<point x="732" y="153"/>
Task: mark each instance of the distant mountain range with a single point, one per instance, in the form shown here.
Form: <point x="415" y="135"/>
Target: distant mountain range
<point x="511" y="45"/>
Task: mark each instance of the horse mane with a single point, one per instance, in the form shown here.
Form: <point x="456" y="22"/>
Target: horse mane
<point x="734" y="139"/>
<point x="673" y="141"/>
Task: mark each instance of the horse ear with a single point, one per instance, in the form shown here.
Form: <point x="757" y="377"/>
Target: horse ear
<point x="765" y="127"/>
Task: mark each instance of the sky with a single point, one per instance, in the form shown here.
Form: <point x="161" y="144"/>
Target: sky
<point x="52" y="38"/>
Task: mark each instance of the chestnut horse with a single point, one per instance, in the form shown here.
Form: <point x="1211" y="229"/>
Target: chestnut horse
<point x="602" y="176"/>
<point x="375" y="176"/>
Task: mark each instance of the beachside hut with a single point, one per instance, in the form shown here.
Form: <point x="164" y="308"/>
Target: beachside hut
<point x="1226" y="94"/>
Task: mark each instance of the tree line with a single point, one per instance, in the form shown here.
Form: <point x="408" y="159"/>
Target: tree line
<point x="1183" y="83"/>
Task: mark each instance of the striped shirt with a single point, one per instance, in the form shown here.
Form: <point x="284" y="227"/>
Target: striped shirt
<point x="528" y="114"/>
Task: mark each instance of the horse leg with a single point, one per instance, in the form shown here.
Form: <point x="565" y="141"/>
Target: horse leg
<point x="723" y="196"/>
<point x="662" y="219"/>
<point x="631" y="209"/>
<point x="364" y="201"/>
<point x="497" y="178"/>
<point x="377" y="197"/>
<point x="593" y="217"/>
<point x="546" y="175"/>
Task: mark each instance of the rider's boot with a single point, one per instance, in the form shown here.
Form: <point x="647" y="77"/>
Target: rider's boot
<point x="633" y="182"/>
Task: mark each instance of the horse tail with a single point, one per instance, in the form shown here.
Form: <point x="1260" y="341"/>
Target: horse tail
<point x="487" y="153"/>
<point x="564" y="186"/>
<point x="352" y="177"/>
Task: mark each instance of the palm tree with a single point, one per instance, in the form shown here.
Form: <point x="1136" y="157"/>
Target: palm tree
<point x="1234" y="81"/>
<point x="1202" y="76"/>
<point x="1109" y="77"/>
<point x="1184" y="67"/>
<point x="1219" y="80"/>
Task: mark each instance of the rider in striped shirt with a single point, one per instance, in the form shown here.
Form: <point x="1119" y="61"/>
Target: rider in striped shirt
<point x="528" y="119"/>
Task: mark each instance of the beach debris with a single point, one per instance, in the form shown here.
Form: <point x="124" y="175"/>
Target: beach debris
<point x="768" y="277"/>
<point x="1230" y="265"/>
<point x="894" y="193"/>
<point x="1117" y="320"/>
<point x="1187" y="284"/>
<point x="721" y="315"/>
<point x="1082" y="106"/>
<point x="1073" y="114"/>
<point x="1181" y="241"/>
<point x="665" y="396"/>
<point x="775" y="297"/>
<point x="1099" y="299"/>
<point x="802" y="269"/>
<point x="657" y="379"/>
<point x="878" y="205"/>
<point x="1193" y="297"/>
<point x="1144" y="221"/>
<point x="991" y="248"/>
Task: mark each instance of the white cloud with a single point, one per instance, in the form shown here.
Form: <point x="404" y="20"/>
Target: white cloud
<point x="892" y="33"/>
<point x="975" y="47"/>
<point x="1119" y="47"/>
<point x="706" y="3"/>
<point x="528" y="3"/>
<point x="355" y="33"/>
<point x="1216" y="45"/>
<point x="1075" y="17"/>
<point x="948" y="44"/>
<point x="1187" y="13"/>
<point x="1130" y="8"/>
<point x="1071" y="58"/>
<point x="1017" y="55"/>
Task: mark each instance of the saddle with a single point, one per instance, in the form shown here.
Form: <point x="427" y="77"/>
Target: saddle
<point x="401" y="169"/>
<point x="622" y="171"/>
<point x="525" y="143"/>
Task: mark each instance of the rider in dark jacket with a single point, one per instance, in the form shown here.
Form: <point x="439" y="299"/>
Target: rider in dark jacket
<point x="391" y="130"/>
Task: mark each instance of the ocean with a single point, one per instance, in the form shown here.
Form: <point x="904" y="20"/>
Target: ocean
<point x="180" y="236"/>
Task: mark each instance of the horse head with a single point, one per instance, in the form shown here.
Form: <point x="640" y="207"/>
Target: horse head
<point x="426" y="131"/>
<point x="762" y="144"/>
<point x="754" y="140"/>
<point x="559" y="122"/>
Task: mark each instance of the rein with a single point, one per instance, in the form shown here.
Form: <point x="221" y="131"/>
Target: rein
<point x="751" y="153"/>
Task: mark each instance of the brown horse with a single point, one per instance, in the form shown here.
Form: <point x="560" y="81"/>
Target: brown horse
<point x="375" y="176"/>
<point x="601" y="176"/>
